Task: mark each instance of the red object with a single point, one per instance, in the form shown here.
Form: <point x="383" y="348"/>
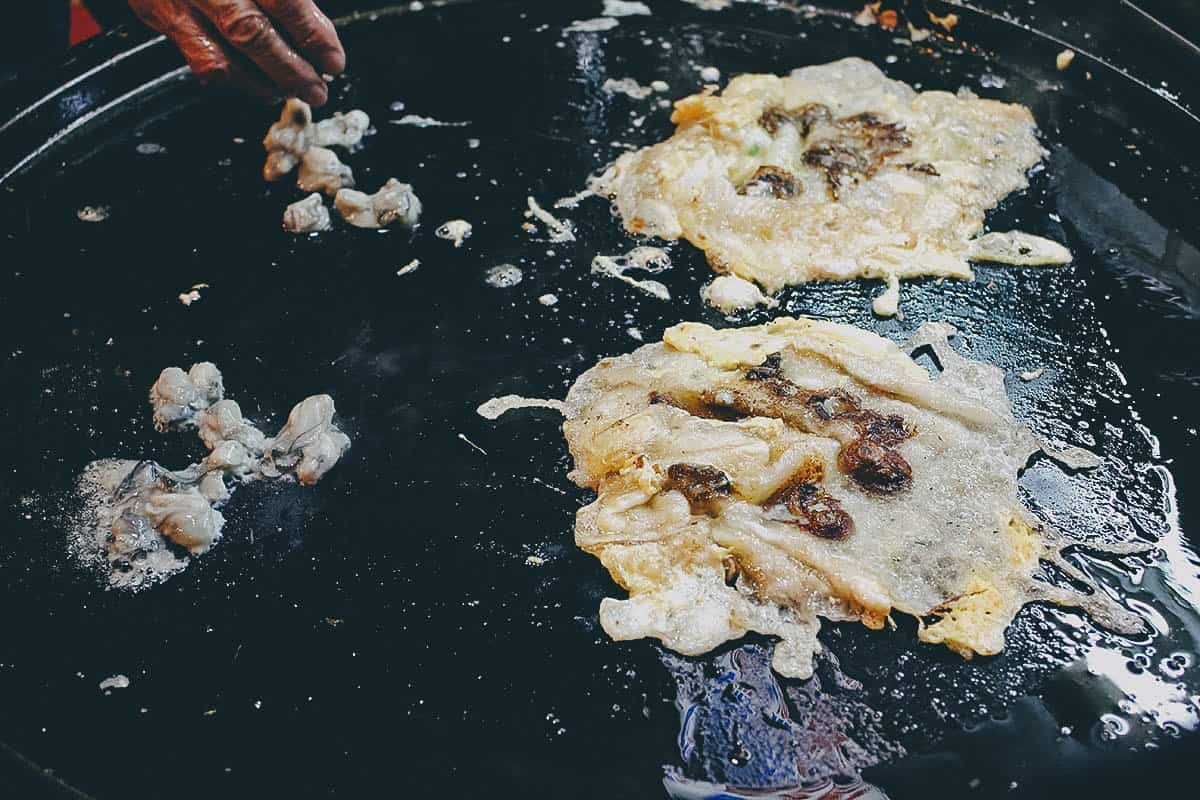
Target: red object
<point x="83" y="24"/>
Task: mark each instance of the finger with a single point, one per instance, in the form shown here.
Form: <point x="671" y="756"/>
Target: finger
<point x="159" y="14"/>
<point x="212" y="62"/>
<point x="247" y="28"/>
<point x="310" y="30"/>
<point x="247" y="78"/>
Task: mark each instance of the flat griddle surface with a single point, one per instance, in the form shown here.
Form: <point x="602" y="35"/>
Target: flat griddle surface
<point x="382" y="634"/>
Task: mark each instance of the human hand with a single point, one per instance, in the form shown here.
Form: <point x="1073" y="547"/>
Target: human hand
<point x="236" y="43"/>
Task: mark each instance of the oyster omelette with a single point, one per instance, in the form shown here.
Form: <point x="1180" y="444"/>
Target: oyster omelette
<point x="760" y="478"/>
<point x="831" y="173"/>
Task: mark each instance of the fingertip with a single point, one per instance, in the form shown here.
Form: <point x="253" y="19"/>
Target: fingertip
<point x="333" y="60"/>
<point x="316" y="94"/>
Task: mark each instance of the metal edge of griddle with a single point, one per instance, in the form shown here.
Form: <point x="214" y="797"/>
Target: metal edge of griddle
<point x="122" y="67"/>
<point x="48" y="103"/>
<point x="106" y="77"/>
<point x="102" y="85"/>
<point x="34" y="781"/>
<point x="58" y="91"/>
<point x="1167" y="53"/>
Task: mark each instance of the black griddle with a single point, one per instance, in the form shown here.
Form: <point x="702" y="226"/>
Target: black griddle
<point x="382" y="634"/>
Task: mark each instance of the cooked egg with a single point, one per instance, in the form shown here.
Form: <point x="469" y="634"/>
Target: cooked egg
<point x="831" y="173"/>
<point x="761" y="478"/>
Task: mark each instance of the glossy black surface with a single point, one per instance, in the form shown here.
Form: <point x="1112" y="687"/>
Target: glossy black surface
<point x="381" y="633"/>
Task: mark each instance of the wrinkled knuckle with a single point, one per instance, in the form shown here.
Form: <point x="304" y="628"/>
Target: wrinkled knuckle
<point x="278" y="8"/>
<point x="249" y="30"/>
